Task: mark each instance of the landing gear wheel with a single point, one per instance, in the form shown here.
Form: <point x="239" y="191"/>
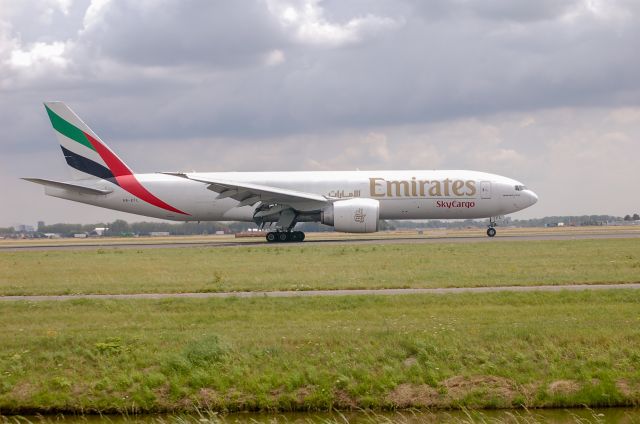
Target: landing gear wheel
<point x="284" y="236"/>
<point x="491" y="231"/>
<point x="297" y="236"/>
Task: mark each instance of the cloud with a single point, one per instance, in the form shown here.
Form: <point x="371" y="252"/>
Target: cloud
<point x="308" y="25"/>
<point x="37" y="53"/>
<point x="274" y="58"/>
<point x="181" y="32"/>
<point x="536" y="90"/>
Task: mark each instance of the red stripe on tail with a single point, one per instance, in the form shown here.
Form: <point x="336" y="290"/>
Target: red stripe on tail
<point x="125" y="177"/>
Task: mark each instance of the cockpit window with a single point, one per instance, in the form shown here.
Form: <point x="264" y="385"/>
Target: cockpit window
<point x="520" y="188"/>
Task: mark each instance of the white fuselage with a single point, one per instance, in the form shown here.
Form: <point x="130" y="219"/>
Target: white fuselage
<point x="448" y="194"/>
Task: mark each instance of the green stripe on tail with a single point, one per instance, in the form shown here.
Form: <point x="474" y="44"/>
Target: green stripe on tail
<point x="68" y="130"/>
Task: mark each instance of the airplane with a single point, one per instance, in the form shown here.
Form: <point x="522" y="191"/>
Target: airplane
<point x="350" y="201"/>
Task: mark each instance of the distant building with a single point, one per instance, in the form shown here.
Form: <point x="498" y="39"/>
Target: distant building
<point x="22" y="228"/>
<point x="80" y="235"/>
<point x="99" y="231"/>
<point x="159" y="233"/>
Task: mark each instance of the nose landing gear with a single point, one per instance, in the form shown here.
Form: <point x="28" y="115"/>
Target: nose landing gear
<point x="491" y="231"/>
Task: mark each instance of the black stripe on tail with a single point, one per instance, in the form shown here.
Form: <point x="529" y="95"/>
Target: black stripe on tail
<point x="87" y="166"/>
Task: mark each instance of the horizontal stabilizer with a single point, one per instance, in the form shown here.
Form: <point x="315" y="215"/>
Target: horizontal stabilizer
<point x="68" y="186"/>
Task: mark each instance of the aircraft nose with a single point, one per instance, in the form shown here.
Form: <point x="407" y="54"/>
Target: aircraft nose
<point x="532" y="198"/>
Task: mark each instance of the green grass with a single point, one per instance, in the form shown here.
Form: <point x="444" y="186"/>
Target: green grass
<point x="307" y="267"/>
<point x="463" y="350"/>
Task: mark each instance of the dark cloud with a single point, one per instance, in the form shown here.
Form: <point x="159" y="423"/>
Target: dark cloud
<point x="461" y="64"/>
<point x="183" y="32"/>
<point x="202" y="68"/>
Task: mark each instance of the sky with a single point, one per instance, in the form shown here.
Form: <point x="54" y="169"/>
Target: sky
<point x="543" y="91"/>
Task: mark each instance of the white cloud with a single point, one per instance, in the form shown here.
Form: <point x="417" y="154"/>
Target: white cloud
<point x="38" y="54"/>
<point x="274" y="58"/>
<point x="94" y="12"/>
<point x="604" y="9"/>
<point x="7" y="42"/>
<point x="350" y="151"/>
<point x="63" y="5"/>
<point x="529" y="120"/>
<point x="307" y="23"/>
<point x="627" y="115"/>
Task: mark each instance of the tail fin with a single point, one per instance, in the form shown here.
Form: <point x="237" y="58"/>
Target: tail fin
<point x="86" y="155"/>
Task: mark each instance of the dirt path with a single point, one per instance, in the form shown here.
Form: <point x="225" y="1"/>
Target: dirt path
<point x="309" y="293"/>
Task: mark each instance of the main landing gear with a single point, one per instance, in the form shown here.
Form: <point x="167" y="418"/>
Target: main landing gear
<point x="491" y="231"/>
<point x="284" y="236"/>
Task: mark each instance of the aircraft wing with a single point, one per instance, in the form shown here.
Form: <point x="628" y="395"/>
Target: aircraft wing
<point x="68" y="186"/>
<point x="250" y="194"/>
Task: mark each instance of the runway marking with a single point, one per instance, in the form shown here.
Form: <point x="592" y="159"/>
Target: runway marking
<point x="315" y="293"/>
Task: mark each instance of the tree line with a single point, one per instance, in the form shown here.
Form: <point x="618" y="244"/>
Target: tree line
<point x="120" y="227"/>
<point x="581" y="220"/>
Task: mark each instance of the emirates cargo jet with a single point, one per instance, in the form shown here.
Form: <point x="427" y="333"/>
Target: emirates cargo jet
<point x="350" y="201"/>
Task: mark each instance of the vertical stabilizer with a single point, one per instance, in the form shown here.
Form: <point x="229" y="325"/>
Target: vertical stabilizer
<point x="86" y="154"/>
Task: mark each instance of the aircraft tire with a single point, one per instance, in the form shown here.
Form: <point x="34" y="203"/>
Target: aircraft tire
<point x="271" y="237"/>
<point x="297" y="236"/>
<point x="491" y="232"/>
<point x="283" y="237"/>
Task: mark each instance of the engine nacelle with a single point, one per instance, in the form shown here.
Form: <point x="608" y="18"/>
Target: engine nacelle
<point x="353" y="215"/>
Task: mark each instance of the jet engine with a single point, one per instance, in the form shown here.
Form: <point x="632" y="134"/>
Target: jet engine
<point x="353" y="215"/>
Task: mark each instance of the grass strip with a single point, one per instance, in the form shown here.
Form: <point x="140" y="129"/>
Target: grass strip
<point x="489" y="350"/>
<point x="310" y="267"/>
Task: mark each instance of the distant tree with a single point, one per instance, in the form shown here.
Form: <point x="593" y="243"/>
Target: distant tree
<point x="387" y="225"/>
<point x="119" y="226"/>
<point x="636" y="217"/>
<point x="64" y="229"/>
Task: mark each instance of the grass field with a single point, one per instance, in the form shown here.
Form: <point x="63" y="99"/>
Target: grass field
<point x="305" y="267"/>
<point x="284" y="354"/>
<point x="474" y="350"/>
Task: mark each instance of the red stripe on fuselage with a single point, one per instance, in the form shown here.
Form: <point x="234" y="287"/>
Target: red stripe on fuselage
<point x="126" y="179"/>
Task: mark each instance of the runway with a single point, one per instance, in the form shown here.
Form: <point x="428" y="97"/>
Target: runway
<point x="420" y="239"/>
<point x="316" y="293"/>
